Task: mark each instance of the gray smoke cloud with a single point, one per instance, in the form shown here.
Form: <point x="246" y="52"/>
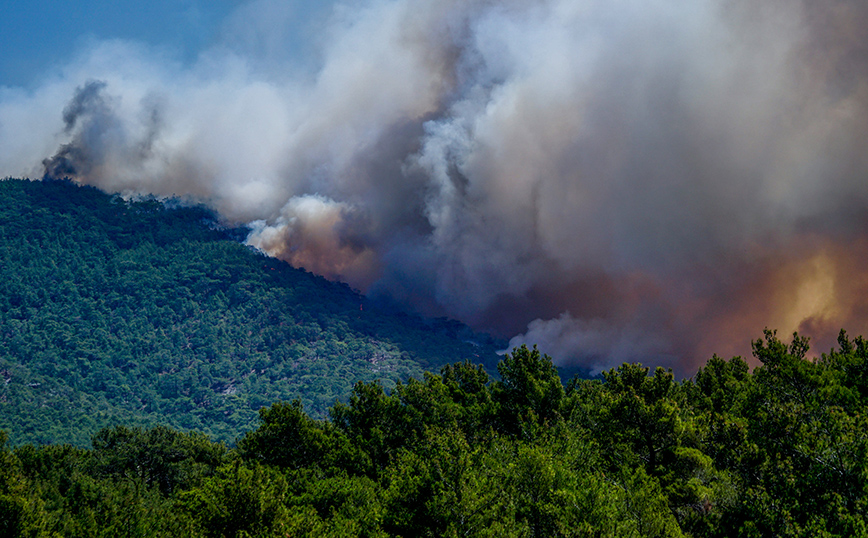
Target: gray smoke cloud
<point x="654" y="181"/>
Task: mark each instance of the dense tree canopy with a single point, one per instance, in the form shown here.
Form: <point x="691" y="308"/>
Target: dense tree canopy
<point x="143" y="312"/>
<point x="140" y="340"/>
<point x="779" y="451"/>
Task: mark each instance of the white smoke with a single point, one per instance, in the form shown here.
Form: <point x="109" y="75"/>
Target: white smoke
<point x="619" y="180"/>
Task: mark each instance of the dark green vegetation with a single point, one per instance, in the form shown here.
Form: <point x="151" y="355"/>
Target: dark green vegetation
<point x="138" y="313"/>
<point x="777" y="452"/>
<point x="127" y="327"/>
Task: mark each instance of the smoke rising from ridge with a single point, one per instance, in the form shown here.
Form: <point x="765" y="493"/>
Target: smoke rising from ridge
<point x="614" y="181"/>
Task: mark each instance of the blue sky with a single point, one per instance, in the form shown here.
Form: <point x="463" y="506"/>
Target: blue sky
<point x="40" y="37"/>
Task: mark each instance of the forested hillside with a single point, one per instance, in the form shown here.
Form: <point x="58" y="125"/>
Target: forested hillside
<point x="778" y="452"/>
<point x="142" y="313"/>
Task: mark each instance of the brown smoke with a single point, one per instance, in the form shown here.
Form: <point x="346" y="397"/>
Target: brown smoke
<point x="653" y="181"/>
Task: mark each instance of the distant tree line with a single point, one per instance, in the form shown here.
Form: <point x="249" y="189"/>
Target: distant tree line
<point x="777" y="451"/>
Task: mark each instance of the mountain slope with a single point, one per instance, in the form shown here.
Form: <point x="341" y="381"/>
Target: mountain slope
<point x="142" y="312"/>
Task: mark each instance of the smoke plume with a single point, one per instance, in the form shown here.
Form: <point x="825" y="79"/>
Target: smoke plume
<point x="612" y="180"/>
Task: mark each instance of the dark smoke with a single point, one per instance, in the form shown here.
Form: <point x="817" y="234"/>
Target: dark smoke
<point x="652" y="181"/>
<point x="89" y="119"/>
<point x="87" y="101"/>
<point x="66" y="163"/>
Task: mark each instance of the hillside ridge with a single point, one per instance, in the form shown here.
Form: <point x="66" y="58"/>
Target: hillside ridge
<point x="142" y="312"/>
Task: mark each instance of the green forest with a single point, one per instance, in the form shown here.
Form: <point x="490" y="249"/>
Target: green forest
<point x="145" y="312"/>
<point x="159" y="378"/>
<point x="779" y="451"/>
